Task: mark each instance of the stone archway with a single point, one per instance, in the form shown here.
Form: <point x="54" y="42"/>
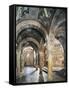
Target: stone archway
<point x="31" y="24"/>
<point x="39" y="32"/>
<point x="37" y="28"/>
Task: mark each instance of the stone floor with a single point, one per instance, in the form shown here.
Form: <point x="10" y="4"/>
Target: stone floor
<point x="31" y="75"/>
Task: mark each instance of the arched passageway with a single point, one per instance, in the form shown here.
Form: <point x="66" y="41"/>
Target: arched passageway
<point x="40" y="49"/>
<point x="31" y="40"/>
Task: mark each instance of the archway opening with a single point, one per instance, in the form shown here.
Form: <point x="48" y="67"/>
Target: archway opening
<point x="29" y="56"/>
<point x="32" y="42"/>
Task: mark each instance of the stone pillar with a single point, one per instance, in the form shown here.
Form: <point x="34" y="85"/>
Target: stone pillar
<point x="22" y="61"/>
<point x="50" y="61"/>
<point x="18" y="62"/>
<point x="42" y="55"/>
<point x="50" y="67"/>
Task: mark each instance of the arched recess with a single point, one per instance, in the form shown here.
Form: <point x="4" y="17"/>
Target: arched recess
<point x="57" y="33"/>
<point x="25" y="43"/>
<point x="35" y="48"/>
<point x="30" y="39"/>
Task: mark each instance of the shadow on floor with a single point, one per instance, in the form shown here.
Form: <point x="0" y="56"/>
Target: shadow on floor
<point x="61" y="73"/>
<point x="41" y="78"/>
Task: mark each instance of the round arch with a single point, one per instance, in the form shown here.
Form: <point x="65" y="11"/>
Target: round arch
<point x="25" y="24"/>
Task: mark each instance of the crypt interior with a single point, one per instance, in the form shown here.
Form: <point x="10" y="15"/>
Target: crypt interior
<point x="40" y="44"/>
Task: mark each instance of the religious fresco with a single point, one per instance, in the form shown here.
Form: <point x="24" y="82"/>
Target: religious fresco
<point x="40" y="44"/>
